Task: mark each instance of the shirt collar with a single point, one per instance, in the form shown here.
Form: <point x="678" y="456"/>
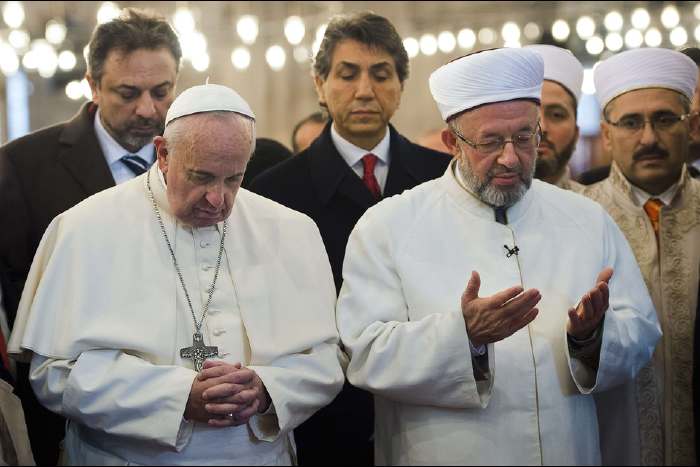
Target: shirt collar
<point x="353" y="154"/>
<point x="666" y="197"/>
<point x="112" y="150"/>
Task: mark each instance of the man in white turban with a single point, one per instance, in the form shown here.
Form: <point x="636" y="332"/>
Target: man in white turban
<point x="554" y="309"/>
<point x="647" y="126"/>
<point x="169" y="324"/>
<point x="561" y="91"/>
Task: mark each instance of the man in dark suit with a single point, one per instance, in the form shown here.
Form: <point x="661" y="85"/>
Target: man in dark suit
<point x="358" y="159"/>
<point x="132" y="70"/>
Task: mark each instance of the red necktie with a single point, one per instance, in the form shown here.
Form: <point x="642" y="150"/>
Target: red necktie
<point x="369" y="162"/>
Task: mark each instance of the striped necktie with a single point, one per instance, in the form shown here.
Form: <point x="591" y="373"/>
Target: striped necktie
<point x="135" y="163"/>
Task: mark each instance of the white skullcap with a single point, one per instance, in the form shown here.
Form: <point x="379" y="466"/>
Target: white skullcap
<point x="644" y="68"/>
<point x="561" y="66"/>
<point x="208" y="98"/>
<point x="486" y="78"/>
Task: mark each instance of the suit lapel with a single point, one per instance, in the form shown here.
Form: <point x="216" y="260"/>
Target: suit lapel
<point x="331" y="175"/>
<point x="81" y="153"/>
<point x="404" y="166"/>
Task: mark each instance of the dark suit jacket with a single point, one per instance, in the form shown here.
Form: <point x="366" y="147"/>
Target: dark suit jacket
<point x="319" y="183"/>
<point x="42" y="175"/>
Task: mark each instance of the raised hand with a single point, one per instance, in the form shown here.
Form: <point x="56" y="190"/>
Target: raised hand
<point x="587" y="315"/>
<point x="491" y="319"/>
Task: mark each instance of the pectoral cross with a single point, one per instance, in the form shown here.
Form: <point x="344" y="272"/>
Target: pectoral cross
<point x="199" y="352"/>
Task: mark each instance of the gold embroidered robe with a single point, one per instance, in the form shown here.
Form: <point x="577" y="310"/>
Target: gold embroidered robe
<point x="671" y="271"/>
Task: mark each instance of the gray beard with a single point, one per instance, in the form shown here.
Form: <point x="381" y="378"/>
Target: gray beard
<point x="129" y="141"/>
<point x="489" y="194"/>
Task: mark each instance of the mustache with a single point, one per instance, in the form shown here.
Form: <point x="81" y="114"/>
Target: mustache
<point x="648" y="152"/>
<point x="545" y="142"/>
<point x="502" y="170"/>
<point x="146" y="122"/>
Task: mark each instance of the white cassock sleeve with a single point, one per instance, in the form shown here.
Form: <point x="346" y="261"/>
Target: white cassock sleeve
<point x="422" y="362"/>
<point x="299" y="385"/>
<point x="118" y="393"/>
<point x="630" y="328"/>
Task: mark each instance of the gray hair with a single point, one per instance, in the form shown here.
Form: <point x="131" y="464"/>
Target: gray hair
<point x="133" y="30"/>
<point x="177" y="133"/>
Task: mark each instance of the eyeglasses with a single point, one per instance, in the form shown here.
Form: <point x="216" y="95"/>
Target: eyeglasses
<point x="661" y="121"/>
<point x="490" y="146"/>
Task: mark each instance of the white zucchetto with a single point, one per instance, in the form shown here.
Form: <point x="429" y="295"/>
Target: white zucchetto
<point x="487" y="77"/>
<point x="208" y="98"/>
<point x="561" y="66"/>
<point x="642" y="69"/>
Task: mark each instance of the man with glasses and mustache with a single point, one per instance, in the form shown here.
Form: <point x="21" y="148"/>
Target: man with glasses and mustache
<point x="561" y="90"/>
<point x="499" y="372"/>
<point x="133" y="64"/>
<point x="647" y="125"/>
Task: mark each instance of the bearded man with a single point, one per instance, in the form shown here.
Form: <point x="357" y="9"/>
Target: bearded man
<point x="561" y="91"/>
<point x="502" y="371"/>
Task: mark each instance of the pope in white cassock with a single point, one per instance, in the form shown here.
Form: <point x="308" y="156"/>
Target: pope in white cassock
<point x="138" y="287"/>
<point x="554" y="308"/>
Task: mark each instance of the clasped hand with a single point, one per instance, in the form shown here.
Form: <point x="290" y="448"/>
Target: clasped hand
<point x="226" y="395"/>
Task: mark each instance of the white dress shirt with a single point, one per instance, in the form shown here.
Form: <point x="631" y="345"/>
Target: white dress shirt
<point x="353" y="155"/>
<point x="641" y="196"/>
<point x="113" y="152"/>
<point x="696" y="164"/>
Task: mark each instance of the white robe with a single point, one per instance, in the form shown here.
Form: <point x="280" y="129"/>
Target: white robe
<point x="103" y="318"/>
<point x="406" y="266"/>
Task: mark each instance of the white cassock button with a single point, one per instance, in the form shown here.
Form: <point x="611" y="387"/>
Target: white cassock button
<point x="204" y="244"/>
<point x="206" y="267"/>
<point x="218" y="332"/>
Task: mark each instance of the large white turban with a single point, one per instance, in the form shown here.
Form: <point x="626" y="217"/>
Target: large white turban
<point x="208" y="98"/>
<point x="642" y="69"/>
<point x="487" y="77"/>
<point x="561" y="66"/>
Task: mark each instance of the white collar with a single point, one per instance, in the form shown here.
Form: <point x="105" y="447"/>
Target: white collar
<point x="666" y="197"/>
<point x="112" y="150"/>
<point x="353" y="154"/>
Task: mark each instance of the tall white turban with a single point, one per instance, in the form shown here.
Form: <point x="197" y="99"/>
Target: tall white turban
<point x="487" y="77"/>
<point x="561" y="66"/>
<point x="208" y="98"/>
<point x="642" y="69"/>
